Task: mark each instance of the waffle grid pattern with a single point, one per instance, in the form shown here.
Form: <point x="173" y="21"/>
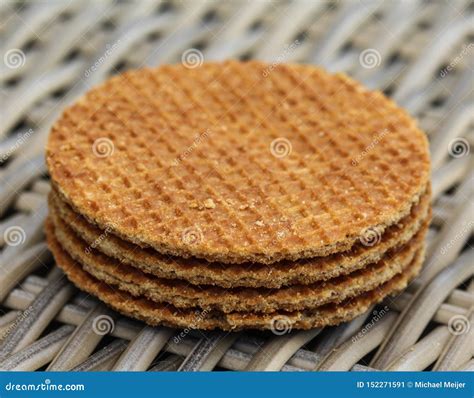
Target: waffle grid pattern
<point x="421" y="65"/>
<point x="323" y="223"/>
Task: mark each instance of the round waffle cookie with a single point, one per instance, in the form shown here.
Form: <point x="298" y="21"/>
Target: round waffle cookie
<point x="183" y="295"/>
<point x="198" y="271"/>
<point x="238" y="161"/>
<point x="155" y="313"/>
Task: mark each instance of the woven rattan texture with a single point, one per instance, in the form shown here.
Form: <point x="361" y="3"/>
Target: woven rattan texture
<point x="418" y="52"/>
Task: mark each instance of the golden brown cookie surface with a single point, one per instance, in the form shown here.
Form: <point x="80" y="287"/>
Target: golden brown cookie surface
<point x="227" y="163"/>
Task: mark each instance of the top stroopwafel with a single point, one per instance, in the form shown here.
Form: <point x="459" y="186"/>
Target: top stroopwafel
<point x="235" y="161"/>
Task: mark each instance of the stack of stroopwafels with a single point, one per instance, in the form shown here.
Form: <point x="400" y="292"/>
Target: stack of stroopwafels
<point x="238" y="195"/>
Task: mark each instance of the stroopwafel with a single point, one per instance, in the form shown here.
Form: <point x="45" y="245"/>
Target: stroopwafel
<point x="239" y="194"/>
<point x="276" y="275"/>
<point x="165" y="314"/>
<point x="181" y="294"/>
<point x="256" y="167"/>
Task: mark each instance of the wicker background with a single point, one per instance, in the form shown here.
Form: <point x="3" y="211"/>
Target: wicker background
<point x="419" y="52"/>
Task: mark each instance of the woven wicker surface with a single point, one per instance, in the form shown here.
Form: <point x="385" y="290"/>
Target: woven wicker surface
<point x="419" y="52"/>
